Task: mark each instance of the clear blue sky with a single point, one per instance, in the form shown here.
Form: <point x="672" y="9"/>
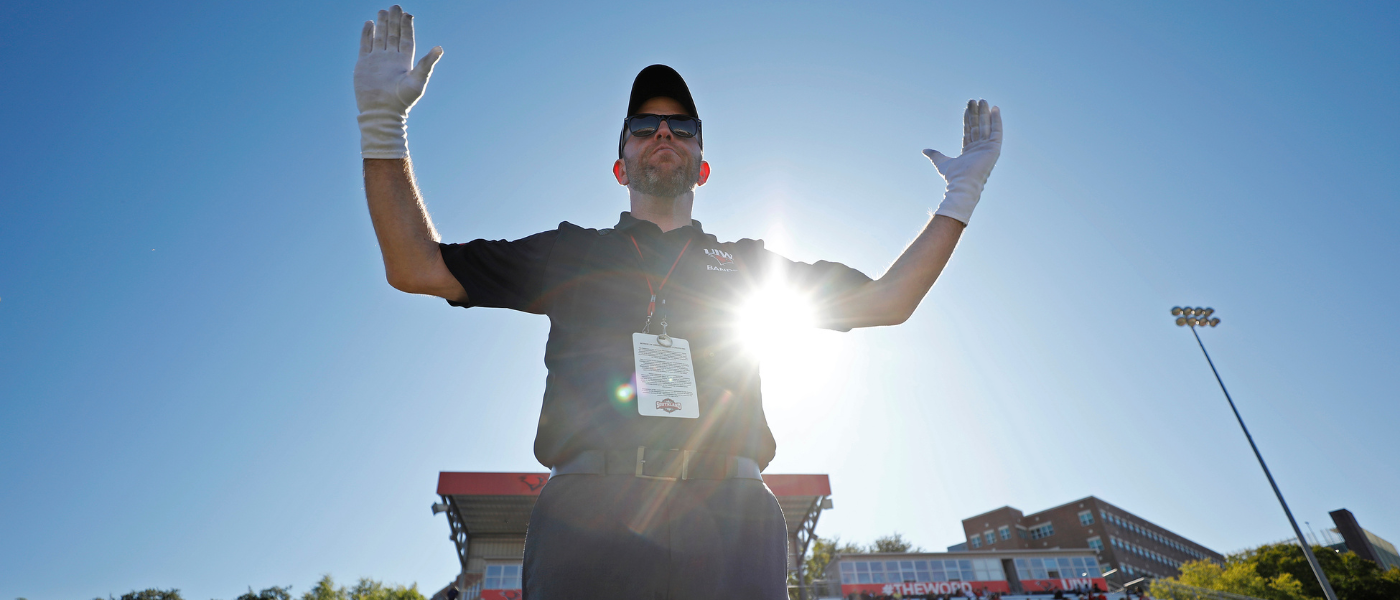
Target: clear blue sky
<point x="205" y="382"/>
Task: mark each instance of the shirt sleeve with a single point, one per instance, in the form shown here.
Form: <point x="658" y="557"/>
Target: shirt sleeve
<point x="828" y="285"/>
<point x="500" y="273"/>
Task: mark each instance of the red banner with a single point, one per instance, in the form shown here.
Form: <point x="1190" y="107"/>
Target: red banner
<point x="917" y="588"/>
<point x="1067" y="584"/>
<point x="911" y="588"/>
<point x="500" y="594"/>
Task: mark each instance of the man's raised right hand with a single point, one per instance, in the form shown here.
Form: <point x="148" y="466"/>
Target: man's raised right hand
<point x="967" y="174"/>
<point x="387" y="84"/>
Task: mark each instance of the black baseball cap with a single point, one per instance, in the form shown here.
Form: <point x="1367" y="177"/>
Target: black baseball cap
<point x="660" y="80"/>
<point x="653" y="82"/>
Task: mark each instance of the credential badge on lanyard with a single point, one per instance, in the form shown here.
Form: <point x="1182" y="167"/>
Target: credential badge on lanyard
<point x="665" y="372"/>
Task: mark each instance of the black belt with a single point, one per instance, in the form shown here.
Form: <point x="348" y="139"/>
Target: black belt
<point x="650" y="463"/>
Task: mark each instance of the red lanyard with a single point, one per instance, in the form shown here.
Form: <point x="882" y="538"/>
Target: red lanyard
<point x="651" y="306"/>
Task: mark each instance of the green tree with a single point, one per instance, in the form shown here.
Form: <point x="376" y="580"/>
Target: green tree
<point x="364" y="589"/>
<point x="1281" y="572"/>
<point x="149" y="594"/>
<point x="367" y="589"/>
<point x="894" y="542"/>
<point x="325" y="590"/>
<point x="272" y="593"/>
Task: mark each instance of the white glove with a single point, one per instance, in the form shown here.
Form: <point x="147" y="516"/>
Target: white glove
<point x="387" y="84"/>
<point x="967" y="174"/>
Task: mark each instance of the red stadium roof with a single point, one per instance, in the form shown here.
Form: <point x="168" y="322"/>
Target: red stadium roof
<point x="490" y="484"/>
<point x="529" y="484"/>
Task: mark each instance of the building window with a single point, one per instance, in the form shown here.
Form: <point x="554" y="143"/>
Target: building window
<point x="1021" y="531"/>
<point x="906" y="570"/>
<point x="991" y="539"/>
<point x="1035" y="568"/>
<point x="1086" y="518"/>
<point x="501" y="577"/>
<point x="1043" y="530"/>
<point x="951" y="570"/>
<point x="1004" y="532"/>
<point x="1096" y="544"/>
<point x="889" y="571"/>
<point x="936" y="572"/>
<point x="976" y="541"/>
<point x="988" y="569"/>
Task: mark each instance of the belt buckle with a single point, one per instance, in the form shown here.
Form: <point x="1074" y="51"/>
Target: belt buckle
<point x="685" y="466"/>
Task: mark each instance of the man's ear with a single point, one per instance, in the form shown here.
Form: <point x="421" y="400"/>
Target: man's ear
<point x="704" y="173"/>
<point x="620" y="172"/>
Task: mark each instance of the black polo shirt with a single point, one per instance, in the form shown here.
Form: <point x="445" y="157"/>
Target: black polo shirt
<point x="591" y="284"/>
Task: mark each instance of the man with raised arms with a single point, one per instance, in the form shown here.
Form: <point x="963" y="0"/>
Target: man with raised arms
<point x="652" y="421"/>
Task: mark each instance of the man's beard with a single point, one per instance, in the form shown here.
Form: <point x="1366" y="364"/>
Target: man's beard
<point x="662" y="181"/>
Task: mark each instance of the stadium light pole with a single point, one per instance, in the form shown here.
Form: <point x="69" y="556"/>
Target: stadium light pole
<point x="1201" y="317"/>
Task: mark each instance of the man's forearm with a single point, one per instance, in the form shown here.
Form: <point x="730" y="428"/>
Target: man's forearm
<point x="407" y="239"/>
<point x="891" y="299"/>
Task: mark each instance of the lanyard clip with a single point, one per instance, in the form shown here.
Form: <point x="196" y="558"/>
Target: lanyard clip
<point x="663" y="339"/>
<point x="651" y="310"/>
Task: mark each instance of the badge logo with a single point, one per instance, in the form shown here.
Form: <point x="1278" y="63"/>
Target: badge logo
<point x="534" y="482"/>
<point x="668" y="405"/>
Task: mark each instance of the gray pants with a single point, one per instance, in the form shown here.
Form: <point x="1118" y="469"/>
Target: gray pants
<point x="619" y="537"/>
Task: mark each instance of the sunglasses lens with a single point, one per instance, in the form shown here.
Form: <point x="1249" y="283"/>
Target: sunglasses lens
<point x="683" y="126"/>
<point x="643" y="125"/>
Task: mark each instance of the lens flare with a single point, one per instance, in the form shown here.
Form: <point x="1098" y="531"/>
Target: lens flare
<point x="625" y="392"/>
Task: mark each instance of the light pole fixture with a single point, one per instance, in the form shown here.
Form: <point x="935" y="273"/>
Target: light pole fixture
<point x="1201" y="317"/>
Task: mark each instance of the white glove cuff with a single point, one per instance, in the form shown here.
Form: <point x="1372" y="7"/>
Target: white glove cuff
<point x="383" y="134"/>
<point x="959" y="199"/>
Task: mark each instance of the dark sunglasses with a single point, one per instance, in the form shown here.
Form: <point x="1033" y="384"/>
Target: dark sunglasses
<point x="644" y="125"/>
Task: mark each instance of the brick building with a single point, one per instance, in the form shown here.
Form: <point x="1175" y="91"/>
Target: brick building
<point x="1120" y="539"/>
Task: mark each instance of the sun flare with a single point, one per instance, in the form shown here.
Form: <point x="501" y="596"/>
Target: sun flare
<point x="774" y="322"/>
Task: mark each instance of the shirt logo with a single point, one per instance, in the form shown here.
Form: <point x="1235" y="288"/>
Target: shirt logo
<point x="668" y="405"/>
<point x="720" y="256"/>
<point x="725" y="260"/>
